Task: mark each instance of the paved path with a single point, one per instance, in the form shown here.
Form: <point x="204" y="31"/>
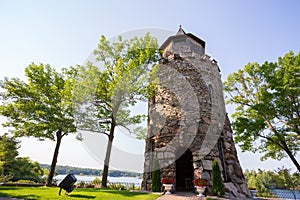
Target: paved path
<point x="187" y="196"/>
<point x="181" y="196"/>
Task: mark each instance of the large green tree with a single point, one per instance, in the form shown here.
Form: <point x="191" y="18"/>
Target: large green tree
<point x="13" y="168"/>
<point x="24" y="169"/>
<point x="104" y="95"/>
<point x="267" y="116"/>
<point x="8" y="153"/>
<point x="41" y="106"/>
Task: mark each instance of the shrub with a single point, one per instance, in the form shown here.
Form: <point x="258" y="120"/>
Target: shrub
<point x="156" y="184"/>
<point x="80" y="184"/>
<point x="97" y="182"/>
<point x="25" y="181"/>
<point x="5" y="178"/>
<point x="116" y="186"/>
<point x="217" y="183"/>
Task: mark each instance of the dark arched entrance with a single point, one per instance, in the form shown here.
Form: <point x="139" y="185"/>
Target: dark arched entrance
<point x="184" y="171"/>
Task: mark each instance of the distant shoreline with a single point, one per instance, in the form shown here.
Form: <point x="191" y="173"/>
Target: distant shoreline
<point x="84" y="178"/>
<point x="90" y="172"/>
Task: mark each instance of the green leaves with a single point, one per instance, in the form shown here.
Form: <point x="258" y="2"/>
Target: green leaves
<point x="41" y="106"/>
<point x="217" y="183"/>
<point x="268" y="106"/>
<point x="156" y="179"/>
<point x="104" y="96"/>
<point x="112" y="90"/>
<point x="13" y="168"/>
<point x="280" y="178"/>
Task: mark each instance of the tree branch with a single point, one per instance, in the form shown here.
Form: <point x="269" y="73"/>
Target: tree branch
<point x="90" y="130"/>
<point x="130" y="132"/>
<point x="270" y="139"/>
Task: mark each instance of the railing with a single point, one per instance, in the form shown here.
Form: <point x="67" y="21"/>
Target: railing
<point x="286" y="194"/>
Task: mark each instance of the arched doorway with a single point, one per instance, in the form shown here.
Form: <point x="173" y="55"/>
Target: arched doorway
<point x="184" y="171"/>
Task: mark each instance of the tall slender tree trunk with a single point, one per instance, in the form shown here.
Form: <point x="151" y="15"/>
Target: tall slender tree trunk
<point x="291" y="156"/>
<point x="54" y="159"/>
<point x="107" y="156"/>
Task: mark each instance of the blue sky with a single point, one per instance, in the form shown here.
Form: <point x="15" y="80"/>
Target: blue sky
<point x="64" y="33"/>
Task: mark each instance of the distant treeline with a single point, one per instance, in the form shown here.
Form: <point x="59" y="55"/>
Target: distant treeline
<point x="90" y="172"/>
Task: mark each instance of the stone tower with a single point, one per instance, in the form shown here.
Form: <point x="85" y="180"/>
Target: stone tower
<point x="188" y="126"/>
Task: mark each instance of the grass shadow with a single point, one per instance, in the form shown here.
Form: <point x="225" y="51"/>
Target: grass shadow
<point x="3" y="193"/>
<point x="2" y="188"/>
<point x="124" y="193"/>
<point x="29" y="197"/>
<point x="82" y="196"/>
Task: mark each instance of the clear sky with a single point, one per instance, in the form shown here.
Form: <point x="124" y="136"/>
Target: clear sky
<point x="64" y="33"/>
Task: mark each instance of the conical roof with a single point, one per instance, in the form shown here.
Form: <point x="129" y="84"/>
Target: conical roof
<point x="181" y="34"/>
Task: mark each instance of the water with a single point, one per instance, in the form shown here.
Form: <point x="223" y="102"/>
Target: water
<point x="283" y="194"/>
<point x="80" y="178"/>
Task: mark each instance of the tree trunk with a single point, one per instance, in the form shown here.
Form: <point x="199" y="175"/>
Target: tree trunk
<point x="54" y="159"/>
<point x="290" y="154"/>
<point x="107" y="156"/>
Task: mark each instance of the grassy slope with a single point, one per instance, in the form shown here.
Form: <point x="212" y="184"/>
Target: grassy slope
<point x="52" y="193"/>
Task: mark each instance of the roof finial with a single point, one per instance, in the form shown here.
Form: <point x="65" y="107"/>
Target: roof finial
<point x="180" y="31"/>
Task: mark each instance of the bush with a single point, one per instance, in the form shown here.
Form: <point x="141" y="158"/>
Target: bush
<point x="80" y="184"/>
<point x="25" y="181"/>
<point x="217" y="183"/>
<point x="24" y="169"/>
<point x="97" y="182"/>
<point x="156" y="184"/>
<point x="132" y="187"/>
<point x="116" y="186"/>
<point x="5" y="178"/>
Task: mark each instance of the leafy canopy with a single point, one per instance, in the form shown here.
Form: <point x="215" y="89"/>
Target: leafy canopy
<point x="13" y="168"/>
<point x="103" y="95"/>
<point x="42" y="105"/>
<point x="267" y="116"/>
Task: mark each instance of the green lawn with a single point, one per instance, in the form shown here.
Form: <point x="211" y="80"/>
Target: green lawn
<point x="83" y="193"/>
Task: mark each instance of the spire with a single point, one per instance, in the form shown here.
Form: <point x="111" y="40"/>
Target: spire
<point x="180" y="31"/>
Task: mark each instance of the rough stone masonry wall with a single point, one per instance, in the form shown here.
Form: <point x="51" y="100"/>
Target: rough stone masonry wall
<point x="236" y="182"/>
<point x="179" y="119"/>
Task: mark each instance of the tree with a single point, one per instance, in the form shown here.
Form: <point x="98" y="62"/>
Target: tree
<point x="25" y="169"/>
<point x="103" y="96"/>
<point x="40" y="107"/>
<point x="13" y="168"/>
<point x="267" y="117"/>
<point x="262" y="189"/>
<point x="288" y="180"/>
<point x="156" y="179"/>
<point x="8" y="153"/>
<point x="217" y="183"/>
<point x="268" y="178"/>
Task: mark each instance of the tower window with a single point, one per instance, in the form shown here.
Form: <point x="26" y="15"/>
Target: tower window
<point x="180" y="41"/>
